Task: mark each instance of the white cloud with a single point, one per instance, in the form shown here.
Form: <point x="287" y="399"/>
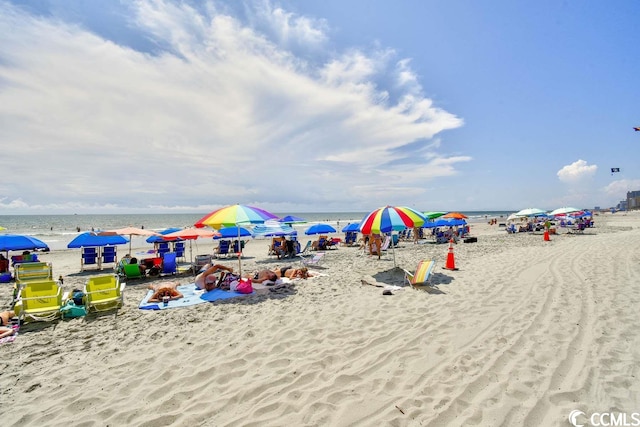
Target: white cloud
<point x="577" y="171"/>
<point x="291" y="29"/>
<point x="222" y="115"/>
<point x="618" y="189"/>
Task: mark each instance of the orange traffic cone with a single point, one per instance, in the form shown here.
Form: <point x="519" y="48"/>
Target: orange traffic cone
<point x="451" y="262"/>
<point x="546" y="236"/>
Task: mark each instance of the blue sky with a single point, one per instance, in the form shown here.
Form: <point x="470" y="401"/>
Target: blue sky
<point x="167" y="106"/>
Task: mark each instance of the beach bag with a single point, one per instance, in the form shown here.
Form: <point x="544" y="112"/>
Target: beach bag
<point x="227" y="280"/>
<point x="244" y="287"/>
<point x="71" y="310"/>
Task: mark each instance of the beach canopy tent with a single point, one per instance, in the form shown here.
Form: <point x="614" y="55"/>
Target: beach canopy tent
<point x="19" y="242"/>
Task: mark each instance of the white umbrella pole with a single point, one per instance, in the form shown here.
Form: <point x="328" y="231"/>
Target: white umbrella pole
<point x="393" y="249"/>
<point x="239" y="253"/>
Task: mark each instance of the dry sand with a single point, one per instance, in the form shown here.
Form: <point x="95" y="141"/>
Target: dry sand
<point x="522" y="334"/>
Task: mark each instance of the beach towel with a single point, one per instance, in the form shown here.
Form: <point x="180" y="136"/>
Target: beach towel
<point x="219" y="294"/>
<point x="192" y="296"/>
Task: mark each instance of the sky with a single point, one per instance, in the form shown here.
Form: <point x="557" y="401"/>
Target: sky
<point x="186" y="106"/>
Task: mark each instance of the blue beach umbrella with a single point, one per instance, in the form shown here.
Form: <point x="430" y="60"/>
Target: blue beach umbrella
<point x="290" y="219"/>
<point x="353" y="226"/>
<point x="158" y="239"/>
<point x="321" y="228"/>
<point x="19" y="242"/>
<point x="89" y="239"/>
<point x="231" y="232"/>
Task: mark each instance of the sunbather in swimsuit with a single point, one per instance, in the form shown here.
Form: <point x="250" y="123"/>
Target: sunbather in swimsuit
<point x="167" y="289"/>
<point x="6" y="316"/>
<point x="207" y="279"/>
<point x="264" y="276"/>
<point x="5" y="327"/>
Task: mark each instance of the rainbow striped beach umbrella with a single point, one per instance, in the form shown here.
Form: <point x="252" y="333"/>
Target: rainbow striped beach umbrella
<point x="234" y="216"/>
<point x="390" y="218"/>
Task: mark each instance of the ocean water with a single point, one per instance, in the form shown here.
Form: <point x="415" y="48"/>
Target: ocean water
<point x="58" y="230"/>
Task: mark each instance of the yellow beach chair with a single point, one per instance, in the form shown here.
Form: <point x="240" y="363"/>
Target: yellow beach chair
<point x="33" y="272"/>
<point x="104" y="293"/>
<point x="422" y="275"/>
<point x="39" y="301"/>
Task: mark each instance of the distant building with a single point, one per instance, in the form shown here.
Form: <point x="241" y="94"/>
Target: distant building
<point x="633" y="200"/>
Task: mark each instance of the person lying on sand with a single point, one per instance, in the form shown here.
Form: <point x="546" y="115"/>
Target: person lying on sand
<point x="273" y="275"/>
<point x="165" y="289"/>
<point x="293" y="273"/>
<point x="5" y="323"/>
<point x="207" y="279"/>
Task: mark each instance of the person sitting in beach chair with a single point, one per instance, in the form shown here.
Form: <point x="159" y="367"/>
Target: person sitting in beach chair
<point x="289" y="249"/>
<point x="276" y="247"/>
<point x="4" y="264"/>
<point x="207" y="279"/>
<point x="165" y="289"/>
<point x="141" y="267"/>
<point x="321" y="243"/>
<point x="375" y="245"/>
